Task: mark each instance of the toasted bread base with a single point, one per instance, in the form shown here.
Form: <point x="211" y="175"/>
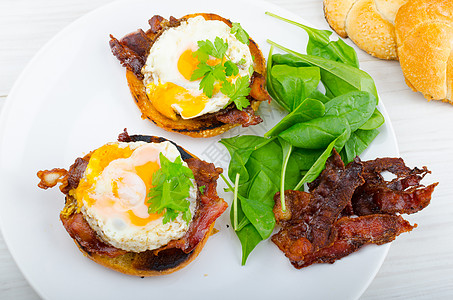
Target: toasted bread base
<point x="197" y="127"/>
<point x="146" y="266"/>
<point x="147" y="263"/>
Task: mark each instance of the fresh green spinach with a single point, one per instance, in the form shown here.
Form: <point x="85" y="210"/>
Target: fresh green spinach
<point x="294" y="84"/>
<point x="309" y="109"/>
<point x="317" y="133"/>
<point x="320" y="44"/>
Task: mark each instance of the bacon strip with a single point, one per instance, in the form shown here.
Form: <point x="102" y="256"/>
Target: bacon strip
<point x="245" y="117"/>
<point x="320" y="226"/>
<point x="50" y="178"/>
<point x="309" y="226"/>
<point x="404" y="194"/>
<point x="79" y="229"/>
<point x="354" y="233"/>
<point x="128" y="57"/>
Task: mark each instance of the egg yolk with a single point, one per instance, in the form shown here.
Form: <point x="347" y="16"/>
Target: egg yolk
<point x="123" y="189"/>
<point x="164" y="96"/>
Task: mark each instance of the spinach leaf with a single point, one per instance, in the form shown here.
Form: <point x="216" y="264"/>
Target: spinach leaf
<point x="356" y="106"/>
<point x="318" y="166"/>
<point x="249" y="238"/>
<point x="262" y="189"/>
<point x="309" y="109"/>
<point x="317" y="133"/>
<point x="317" y="95"/>
<point x="269" y="160"/>
<point x="260" y="215"/>
<point x="357" y="143"/>
<point x="319" y="44"/>
<point x="338" y="78"/>
<point x="375" y="121"/>
<point x="269" y="85"/>
<point x="240" y="149"/>
<point x="292" y="85"/>
<point x="289" y="60"/>
<point x="305" y="158"/>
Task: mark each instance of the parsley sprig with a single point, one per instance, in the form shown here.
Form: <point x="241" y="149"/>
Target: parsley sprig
<point x="240" y="33"/>
<point x="171" y="185"/>
<point x="237" y="92"/>
<point x="210" y="72"/>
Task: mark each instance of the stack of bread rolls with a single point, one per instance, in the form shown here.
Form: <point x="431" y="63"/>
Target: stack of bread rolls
<point x="418" y="33"/>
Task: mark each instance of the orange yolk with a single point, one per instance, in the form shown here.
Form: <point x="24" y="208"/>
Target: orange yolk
<point x="145" y="172"/>
<point x="98" y="161"/>
<point x="163" y="96"/>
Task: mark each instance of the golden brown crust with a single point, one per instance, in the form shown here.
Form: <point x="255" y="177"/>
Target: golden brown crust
<point x="197" y="127"/>
<point x="424" y="32"/>
<point x="161" y="261"/>
<point x="192" y="127"/>
<point x="336" y="13"/>
<point x="131" y="263"/>
<point x="368" y="23"/>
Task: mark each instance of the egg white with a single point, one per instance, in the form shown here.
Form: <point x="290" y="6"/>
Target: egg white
<point x="112" y="224"/>
<point x="161" y="65"/>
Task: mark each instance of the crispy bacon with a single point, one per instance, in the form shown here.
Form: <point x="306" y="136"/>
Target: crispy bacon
<point x="138" y="42"/>
<point x="245" y="117"/>
<point x="75" y="173"/>
<point x="79" y="229"/>
<point x="257" y="90"/>
<point x="155" y="24"/>
<point x="404" y="194"/>
<point x="313" y="214"/>
<point x="131" y="51"/>
<point x="353" y="233"/>
<point x="50" y="178"/>
<point x="320" y="226"/>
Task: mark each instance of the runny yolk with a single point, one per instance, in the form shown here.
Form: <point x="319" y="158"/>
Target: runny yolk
<point x="163" y="96"/>
<point x="145" y="172"/>
<point x="187" y="63"/>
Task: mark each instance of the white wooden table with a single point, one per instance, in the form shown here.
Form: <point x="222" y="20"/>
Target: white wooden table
<point x="419" y="265"/>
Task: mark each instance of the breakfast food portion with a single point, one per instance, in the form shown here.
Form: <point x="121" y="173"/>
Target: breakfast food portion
<point x="368" y="23"/>
<point x="347" y="208"/>
<point x="424" y="32"/>
<point x="141" y="206"/>
<point x="199" y="75"/>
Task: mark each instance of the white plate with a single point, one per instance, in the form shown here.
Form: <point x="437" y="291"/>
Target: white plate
<point x="72" y="98"/>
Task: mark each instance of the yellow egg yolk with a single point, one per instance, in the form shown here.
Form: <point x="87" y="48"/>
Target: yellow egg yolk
<point x="99" y="160"/>
<point x="163" y="96"/>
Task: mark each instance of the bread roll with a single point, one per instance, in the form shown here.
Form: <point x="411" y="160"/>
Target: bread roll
<point x="368" y="23"/>
<point x="424" y="32"/>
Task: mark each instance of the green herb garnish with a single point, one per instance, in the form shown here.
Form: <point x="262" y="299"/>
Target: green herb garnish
<point x="240" y="33"/>
<point x="171" y="185"/>
<point x="201" y="189"/>
<point x="210" y="72"/>
<point x="237" y="92"/>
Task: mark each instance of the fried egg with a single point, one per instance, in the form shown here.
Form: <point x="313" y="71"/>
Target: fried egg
<point x="171" y="62"/>
<point x="113" y="192"/>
